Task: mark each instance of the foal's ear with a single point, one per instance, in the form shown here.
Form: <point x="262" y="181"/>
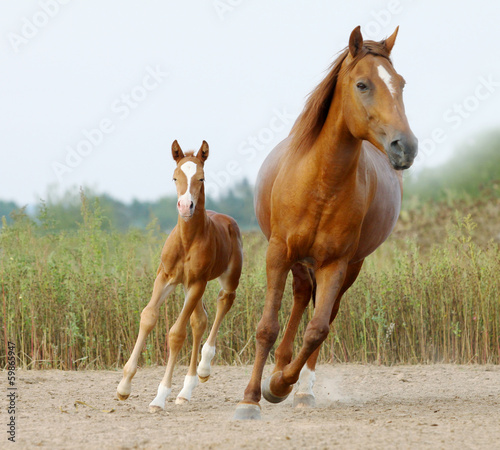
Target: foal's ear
<point x="203" y="151"/>
<point x="389" y="42"/>
<point x="177" y="152"/>
<point x="355" y="41"/>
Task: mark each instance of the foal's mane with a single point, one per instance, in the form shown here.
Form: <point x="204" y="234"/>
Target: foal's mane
<point x="308" y="125"/>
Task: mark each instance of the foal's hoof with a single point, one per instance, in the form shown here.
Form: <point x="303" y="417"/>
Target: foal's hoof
<point x="122" y="396"/>
<point x="203" y="379"/>
<point x="266" y="390"/>
<point x="153" y="409"/>
<point x="304" y="401"/>
<point x="247" y="411"/>
<point x="181" y="401"/>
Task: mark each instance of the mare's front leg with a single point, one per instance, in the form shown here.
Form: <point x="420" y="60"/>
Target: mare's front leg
<point x="268" y="328"/>
<point x="176" y="337"/>
<point x="330" y="280"/>
<point x="304" y="395"/>
<point x="149" y="317"/>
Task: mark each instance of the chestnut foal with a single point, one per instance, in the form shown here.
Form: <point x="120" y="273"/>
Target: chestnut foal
<point x="203" y="246"/>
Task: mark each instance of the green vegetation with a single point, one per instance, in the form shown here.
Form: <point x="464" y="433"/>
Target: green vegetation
<point x="73" y="284"/>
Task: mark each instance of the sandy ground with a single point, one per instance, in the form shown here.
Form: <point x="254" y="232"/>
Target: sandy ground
<point x="438" y="406"/>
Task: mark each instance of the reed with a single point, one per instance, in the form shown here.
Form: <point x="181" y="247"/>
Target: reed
<point x="72" y="300"/>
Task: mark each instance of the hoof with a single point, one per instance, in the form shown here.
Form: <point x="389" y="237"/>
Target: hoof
<point x="203" y="379"/>
<point x="181" y="401"/>
<point x="122" y="396"/>
<point x="304" y="401"/>
<point x="247" y="411"/>
<point x="266" y="390"/>
<point x="153" y="409"/>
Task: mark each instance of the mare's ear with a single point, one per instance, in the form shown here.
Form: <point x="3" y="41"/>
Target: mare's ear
<point x="203" y="151"/>
<point x="355" y="41"/>
<point x="389" y="42"/>
<point x="177" y="152"/>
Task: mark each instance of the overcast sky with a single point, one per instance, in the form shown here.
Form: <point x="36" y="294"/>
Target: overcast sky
<point x="94" y="92"/>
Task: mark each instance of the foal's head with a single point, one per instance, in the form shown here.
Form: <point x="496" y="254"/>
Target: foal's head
<point x="189" y="178"/>
<point x="373" y="99"/>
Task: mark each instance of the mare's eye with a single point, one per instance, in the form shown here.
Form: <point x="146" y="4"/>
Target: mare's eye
<point x="175" y="179"/>
<point x="201" y="179"/>
<point x="361" y="86"/>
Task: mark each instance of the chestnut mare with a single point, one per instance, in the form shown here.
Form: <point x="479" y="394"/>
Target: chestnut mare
<point x="203" y="246"/>
<point x="326" y="197"/>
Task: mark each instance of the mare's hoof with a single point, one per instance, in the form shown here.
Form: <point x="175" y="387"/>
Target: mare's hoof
<point x="266" y="390"/>
<point x="304" y="401"/>
<point x="247" y="411"/>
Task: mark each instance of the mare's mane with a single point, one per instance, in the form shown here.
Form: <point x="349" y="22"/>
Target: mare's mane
<point x="310" y="122"/>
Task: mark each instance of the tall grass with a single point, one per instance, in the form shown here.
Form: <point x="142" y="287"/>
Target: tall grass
<point x="73" y="300"/>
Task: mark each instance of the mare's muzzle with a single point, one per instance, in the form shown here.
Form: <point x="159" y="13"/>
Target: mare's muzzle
<point x="402" y="151"/>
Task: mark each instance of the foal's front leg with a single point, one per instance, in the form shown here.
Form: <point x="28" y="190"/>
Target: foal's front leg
<point x="198" y="325"/>
<point x="176" y="337"/>
<point x="149" y="317"/>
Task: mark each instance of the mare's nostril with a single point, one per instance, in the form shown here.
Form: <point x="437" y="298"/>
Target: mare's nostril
<point x="191" y="206"/>
<point x="396" y="146"/>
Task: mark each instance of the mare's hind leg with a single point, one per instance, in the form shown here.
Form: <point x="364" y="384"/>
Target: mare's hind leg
<point x="198" y="325"/>
<point x="149" y="317"/>
<point x="176" y="337"/>
<point x="229" y="282"/>
<point x="302" y="290"/>
<point x="304" y="396"/>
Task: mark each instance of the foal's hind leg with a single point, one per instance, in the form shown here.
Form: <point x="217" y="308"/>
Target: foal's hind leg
<point x="149" y="317"/>
<point x="198" y="325"/>
<point x="229" y="282"/>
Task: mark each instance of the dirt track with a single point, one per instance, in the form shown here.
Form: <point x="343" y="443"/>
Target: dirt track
<point x="439" y="406"/>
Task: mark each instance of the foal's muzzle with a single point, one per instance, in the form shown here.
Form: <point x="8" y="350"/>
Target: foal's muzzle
<point x="186" y="209"/>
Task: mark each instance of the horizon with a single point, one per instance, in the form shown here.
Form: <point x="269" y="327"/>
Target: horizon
<point x="107" y="105"/>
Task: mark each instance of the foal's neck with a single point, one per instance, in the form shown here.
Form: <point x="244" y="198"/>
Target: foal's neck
<point x="195" y="226"/>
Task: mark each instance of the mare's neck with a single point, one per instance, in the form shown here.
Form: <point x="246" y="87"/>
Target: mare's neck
<point x="335" y="146"/>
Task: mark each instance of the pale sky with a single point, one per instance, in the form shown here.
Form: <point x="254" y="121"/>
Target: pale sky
<point x="232" y="72"/>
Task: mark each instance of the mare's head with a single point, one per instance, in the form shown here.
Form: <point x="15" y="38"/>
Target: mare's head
<point x="189" y="177"/>
<point x="372" y="104"/>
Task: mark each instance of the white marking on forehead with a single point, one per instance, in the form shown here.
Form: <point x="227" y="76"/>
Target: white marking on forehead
<point x="189" y="169"/>
<point x="386" y="77"/>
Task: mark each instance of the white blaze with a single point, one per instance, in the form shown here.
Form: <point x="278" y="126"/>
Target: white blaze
<point x="189" y="169"/>
<point x="386" y="77"/>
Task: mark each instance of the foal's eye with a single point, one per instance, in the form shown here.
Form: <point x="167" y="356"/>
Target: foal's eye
<point x="361" y="86"/>
<point x="201" y="179"/>
<point x="175" y="179"/>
